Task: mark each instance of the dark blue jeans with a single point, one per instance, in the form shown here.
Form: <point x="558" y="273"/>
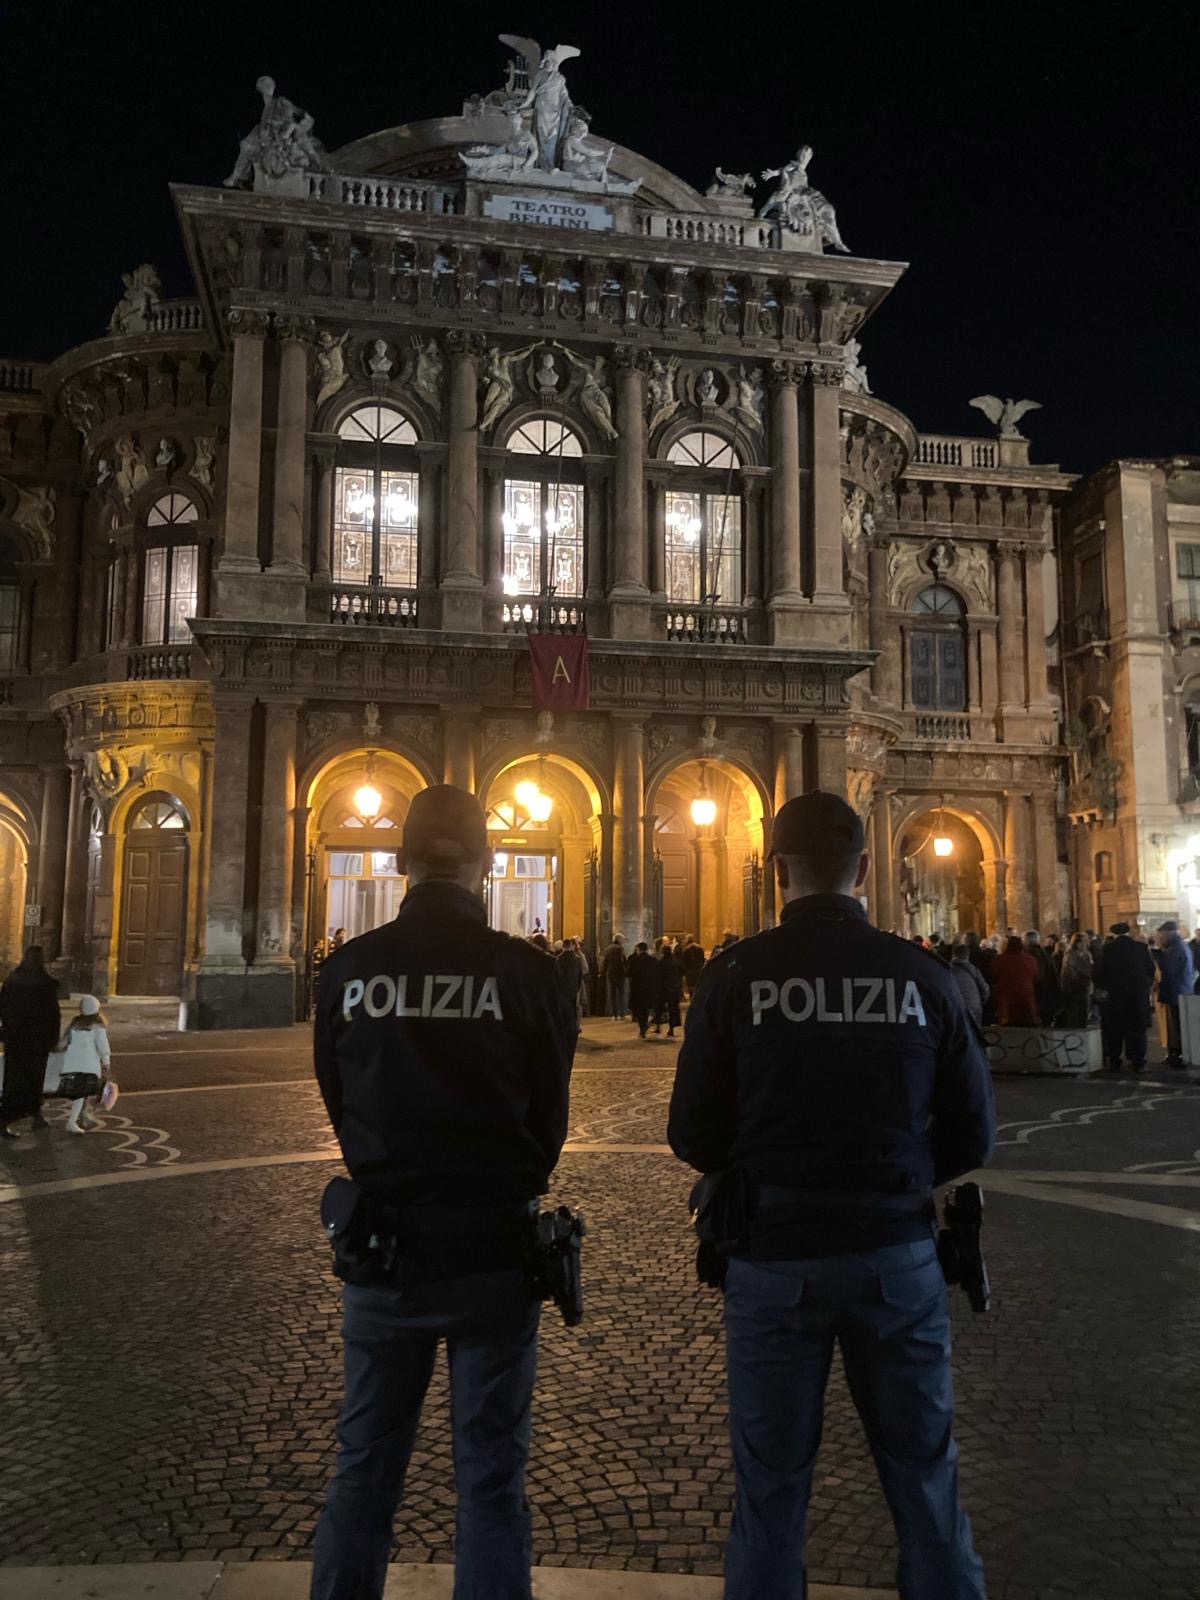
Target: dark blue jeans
<point x="887" y="1310"/>
<point x="489" y="1322"/>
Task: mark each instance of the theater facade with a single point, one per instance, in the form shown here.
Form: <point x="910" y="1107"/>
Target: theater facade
<point x="271" y="556"/>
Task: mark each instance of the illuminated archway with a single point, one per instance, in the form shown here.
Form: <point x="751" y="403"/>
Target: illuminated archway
<point x="946" y="859"/>
<point x="544" y="826"/>
<point x="14" y="882"/>
<point x="709" y="875"/>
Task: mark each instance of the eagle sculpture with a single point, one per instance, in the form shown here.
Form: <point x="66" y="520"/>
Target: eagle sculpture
<point x="1005" y="413"/>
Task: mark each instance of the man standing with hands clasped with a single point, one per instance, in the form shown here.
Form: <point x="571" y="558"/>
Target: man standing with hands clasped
<point x="443" y="1052"/>
<point x="830" y="1074"/>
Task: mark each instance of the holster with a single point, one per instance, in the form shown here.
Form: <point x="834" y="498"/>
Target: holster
<point x="722" y="1206"/>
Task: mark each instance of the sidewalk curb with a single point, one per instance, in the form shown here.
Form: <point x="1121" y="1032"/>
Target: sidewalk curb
<point x="289" y="1580"/>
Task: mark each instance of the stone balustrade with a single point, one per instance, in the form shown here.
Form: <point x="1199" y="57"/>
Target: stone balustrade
<point x="945" y="450"/>
<point x="942" y="727"/>
<point x="383" y="194"/>
<point x="177" y="316"/>
<point x="702" y="227"/>
<point x="366" y="606"/>
<point x="21" y="377"/>
<point x="148" y="663"/>
<point x="700" y="625"/>
<point x="543" y="616"/>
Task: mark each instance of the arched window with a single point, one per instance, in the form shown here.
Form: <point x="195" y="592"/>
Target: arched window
<point x="10" y="605"/>
<point x="702" y="558"/>
<point x="543" y="511"/>
<point x="937" y="651"/>
<point x="155" y="816"/>
<point x="377" y="496"/>
<point x="170" y="570"/>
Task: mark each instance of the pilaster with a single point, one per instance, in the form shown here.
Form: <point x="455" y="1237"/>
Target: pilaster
<point x="462" y="585"/>
<point x="629" y="597"/>
<point x="239" y="554"/>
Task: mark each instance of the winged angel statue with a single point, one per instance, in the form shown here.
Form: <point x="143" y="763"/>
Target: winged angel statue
<point x="1005" y="413"/>
<point x="548" y="97"/>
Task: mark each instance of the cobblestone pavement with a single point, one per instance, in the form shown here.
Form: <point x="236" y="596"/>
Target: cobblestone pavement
<point x="170" y="1339"/>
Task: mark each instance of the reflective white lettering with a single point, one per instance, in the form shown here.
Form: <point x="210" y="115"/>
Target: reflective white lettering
<point x="911" y="1005"/>
<point x="468" y="993"/>
<point x="823" y="1012"/>
<point x="403" y="1009"/>
<point x="489" y="1000"/>
<point x="763" y="995"/>
<point x="450" y="988"/>
<point x="352" y="993"/>
<point x="427" y="995"/>
<point x="785" y="1000"/>
<point x="889" y="989"/>
<point x="864" y="1012"/>
<point x="375" y="1008"/>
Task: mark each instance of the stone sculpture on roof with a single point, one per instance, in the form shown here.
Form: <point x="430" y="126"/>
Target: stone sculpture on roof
<point x="548" y="143"/>
<point x="729" y="185"/>
<point x="275" y="157"/>
<point x="801" y="208"/>
<point x="1005" y="413"/>
<point x="136" y="307"/>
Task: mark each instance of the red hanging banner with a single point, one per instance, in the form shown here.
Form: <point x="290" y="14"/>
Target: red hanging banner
<point x="560" y="671"/>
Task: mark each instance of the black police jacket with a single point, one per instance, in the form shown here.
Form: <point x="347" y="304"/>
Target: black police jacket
<point x="443" y="1051"/>
<point x="824" y="1055"/>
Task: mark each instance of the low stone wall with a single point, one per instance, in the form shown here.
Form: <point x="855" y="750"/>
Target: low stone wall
<point x="1058" y="1052"/>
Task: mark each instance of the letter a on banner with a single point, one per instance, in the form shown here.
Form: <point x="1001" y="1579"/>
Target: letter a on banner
<point x="560" y="672"/>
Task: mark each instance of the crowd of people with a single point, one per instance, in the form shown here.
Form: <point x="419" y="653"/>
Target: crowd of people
<point x="1020" y="981"/>
<point x="39" y="1055"/>
<point x="649" y="985"/>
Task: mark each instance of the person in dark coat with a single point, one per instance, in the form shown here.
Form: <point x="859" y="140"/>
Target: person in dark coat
<point x="1176" y="978"/>
<point x="670" y="989"/>
<point x="1014" y="976"/>
<point x="1046" y="989"/>
<point x="614" y="970"/>
<point x="643" y="986"/>
<point x="1125" y="973"/>
<point x="693" y="963"/>
<point x="31" y="1025"/>
<point x="570" y="964"/>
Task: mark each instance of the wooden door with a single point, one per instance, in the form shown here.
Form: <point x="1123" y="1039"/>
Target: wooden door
<point x="152" y="912"/>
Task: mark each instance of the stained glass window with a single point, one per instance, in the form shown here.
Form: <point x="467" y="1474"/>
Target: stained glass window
<point x="169" y="592"/>
<point x="704" y="449"/>
<point x="169" y="510"/>
<point x="376" y="500"/>
<point x="543" y="513"/>
<point x="703" y="547"/>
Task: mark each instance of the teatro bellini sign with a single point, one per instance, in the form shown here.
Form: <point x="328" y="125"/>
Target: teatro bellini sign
<point x="543" y="212"/>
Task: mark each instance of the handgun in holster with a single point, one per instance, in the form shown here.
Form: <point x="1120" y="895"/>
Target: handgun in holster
<point x="721" y="1204"/>
<point x="556" y="1261"/>
<point x="960" y="1244"/>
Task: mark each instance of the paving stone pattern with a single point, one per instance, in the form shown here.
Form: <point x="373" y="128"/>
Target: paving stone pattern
<point x="172" y="1370"/>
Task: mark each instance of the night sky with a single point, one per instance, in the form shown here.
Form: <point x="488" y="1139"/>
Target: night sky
<point x="1036" y="166"/>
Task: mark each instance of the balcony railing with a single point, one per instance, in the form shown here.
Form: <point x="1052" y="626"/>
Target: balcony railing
<point x="383" y="194"/>
<point x="543" y="616"/>
<point x="702" y="227"/>
<point x="700" y="625"/>
<point x="372" y="607"/>
<point x="942" y="727"/>
<point x="6" y="691"/>
<point x="943" y="450"/>
<point x="1085" y="628"/>
<point x="21" y="377"/>
<point x="148" y="662"/>
<point x="1185" y="616"/>
<point x="177" y="316"/>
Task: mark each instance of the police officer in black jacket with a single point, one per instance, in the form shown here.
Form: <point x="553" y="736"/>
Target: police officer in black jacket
<point x="831" y="1070"/>
<point x="443" y="1051"/>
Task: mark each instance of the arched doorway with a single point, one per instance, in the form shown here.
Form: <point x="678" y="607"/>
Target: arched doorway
<point x="543" y="817"/>
<point x="708" y="852"/>
<point x="941" y="876"/>
<point x="153" y="899"/>
<point x="357" y="808"/>
<point x="937" y="651"/>
<point x="13" y="888"/>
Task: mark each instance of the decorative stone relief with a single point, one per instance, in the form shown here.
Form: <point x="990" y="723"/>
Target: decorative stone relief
<point x="415" y="730"/>
<point x="132" y="472"/>
<point x="595" y="395"/>
<point x="659" y="739"/>
<point x="204" y="455"/>
<point x="501" y="730"/>
<point x="423" y="371"/>
<point x="751" y="395"/>
<point x="378" y="359"/>
<point x="33" y="513"/>
<point x="854" y="377"/>
<point x="662" y="396"/>
<point x="135" y="309"/>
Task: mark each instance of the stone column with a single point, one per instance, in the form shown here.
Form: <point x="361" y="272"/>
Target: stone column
<point x="1011" y="642"/>
<point x="462" y="586"/>
<point x="1018" y="857"/>
<point x="493" y="533"/>
<point x="657" y="550"/>
<point x="1035" y="627"/>
<point x="825" y="392"/>
<point x="225" y="927"/>
<point x="628" y="595"/>
<point x="128" y="586"/>
<point x="595" y="478"/>
<point x="1046" y="911"/>
<point x="240" y="551"/>
<point x="752" y="535"/>
<point x="788" y="742"/>
<point x="74" y="900"/>
<point x="326" y="479"/>
<point x="287" y="537"/>
<point x="785" y="486"/>
<point x="461" y="747"/>
<point x="995" y="897"/>
<point x="274" y="921"/>
<point x="886" y="676"/>
<point x="52" y="857"/>
<point x="883" y="901"/>
<point x="628" y="788"/>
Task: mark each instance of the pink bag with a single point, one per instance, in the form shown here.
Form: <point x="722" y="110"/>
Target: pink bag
<point x="109" y="1094"/>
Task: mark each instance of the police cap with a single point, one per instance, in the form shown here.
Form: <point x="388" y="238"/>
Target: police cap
<point x="445" y="826"/>
<point x="817" y="824"/>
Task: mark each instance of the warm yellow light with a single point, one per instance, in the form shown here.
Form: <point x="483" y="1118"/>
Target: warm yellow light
<point x="367" y="801"/>
<point x="704" y="811"/>
<point x="527" y="793"/>
<point x="943" y="846"/>
<point x="540" y="809"/>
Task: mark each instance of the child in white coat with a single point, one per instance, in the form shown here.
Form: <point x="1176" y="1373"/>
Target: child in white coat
<point x="85" y="1047"/>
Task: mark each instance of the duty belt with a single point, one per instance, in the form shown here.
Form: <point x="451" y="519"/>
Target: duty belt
<point x="773" y="1196"/>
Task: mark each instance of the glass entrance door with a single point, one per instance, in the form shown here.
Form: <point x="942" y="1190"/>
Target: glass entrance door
<point x="521" y="893"/>
<point x="364" y="891"/>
